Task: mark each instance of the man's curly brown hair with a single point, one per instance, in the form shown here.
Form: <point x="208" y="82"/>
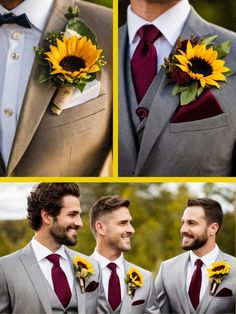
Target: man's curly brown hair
<point x="48" y="196"/>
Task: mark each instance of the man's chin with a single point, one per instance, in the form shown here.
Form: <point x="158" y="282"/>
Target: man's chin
<point x="186" y="247"/>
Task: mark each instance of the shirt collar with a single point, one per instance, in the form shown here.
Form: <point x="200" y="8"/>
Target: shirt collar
<point x="42" y="251"/>
<point x="167" y="23"/>
<point x="103" y="261"/>
<point x="37" y="11"/>
<point x="207" y="259"/>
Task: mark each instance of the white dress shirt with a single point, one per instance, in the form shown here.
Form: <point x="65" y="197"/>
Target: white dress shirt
<point x="207" y="260"/>
<point x="16" y="61"/>
<point x="170" y="23"/>
<point x="106" y="272"/>
<point x="41" y="252"/>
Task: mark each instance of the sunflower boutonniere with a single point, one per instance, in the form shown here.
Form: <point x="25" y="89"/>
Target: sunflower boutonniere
<point x="216" y="274"/>
<point x="69" y="59"/>
<point x="83" y="269"/>
<point x="196" y="64"/>
<point x="134" y="279"/>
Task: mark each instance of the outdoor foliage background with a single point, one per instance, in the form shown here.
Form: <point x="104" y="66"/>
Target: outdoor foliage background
<point x="219" y="12"/>
<point x="156" y="213"/>
<point x="107" y="3"/>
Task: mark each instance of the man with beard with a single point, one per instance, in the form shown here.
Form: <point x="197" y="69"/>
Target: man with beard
<point x="39" y="278"/>
<point x="110" y="222"/>
<point x="183" y="282"/>
<point x="157" y="135"/>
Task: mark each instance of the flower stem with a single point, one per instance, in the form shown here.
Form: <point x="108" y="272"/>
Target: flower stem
<point x="63" y="95"/>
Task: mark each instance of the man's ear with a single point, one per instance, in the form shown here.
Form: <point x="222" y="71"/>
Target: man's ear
<point x="46" y="218"/>
<point x="100" y="227"/>
<point x="213" y="228"/>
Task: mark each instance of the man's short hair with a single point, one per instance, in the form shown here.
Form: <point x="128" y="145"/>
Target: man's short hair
<point x="212" y="209"/>
<point x="48" y="196"/>
<point x="104" y="205"/>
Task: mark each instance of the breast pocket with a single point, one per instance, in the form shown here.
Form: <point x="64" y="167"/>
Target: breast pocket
<point x="219" y="121"/>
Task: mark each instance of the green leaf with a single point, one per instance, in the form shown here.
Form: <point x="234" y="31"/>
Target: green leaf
<point x="229" y="73"/>
<point x="189" y="94"/>
<point x="78" y="26"/>
<point x="223" y="49"/>
<point x="81" y="86"/>
<point x="72" y="12"/>
<point x="178" y="89"/>
<point x="200" y="90"/>
<point x="209" y="41"/>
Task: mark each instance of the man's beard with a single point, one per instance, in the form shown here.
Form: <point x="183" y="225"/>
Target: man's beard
<point x="196" y="243"/>
<point x="60" y="236"/>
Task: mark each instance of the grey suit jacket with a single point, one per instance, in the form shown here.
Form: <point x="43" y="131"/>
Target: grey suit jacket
<point x="172" y="294"/>
<point x="22" y="288"/>
<point x="144" y="300"/>
<point x="77" y="142"/>
<point x="197" y="148"/>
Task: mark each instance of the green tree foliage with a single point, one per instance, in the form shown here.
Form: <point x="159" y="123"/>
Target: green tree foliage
<point x="107" y="3"/>
<point x="156" y="212"/>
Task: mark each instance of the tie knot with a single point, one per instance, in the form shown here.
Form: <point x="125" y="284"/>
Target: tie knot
<point x="54" y="258"/>
<point x="112" y="266"/>
<point x="199" y="263"/>
<point x="149" y="33"/>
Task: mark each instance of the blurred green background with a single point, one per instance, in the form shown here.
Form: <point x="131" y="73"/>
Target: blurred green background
<point x="107" y="3"/>
<point x="219" y="12"/>
<point x="156" y="209"/>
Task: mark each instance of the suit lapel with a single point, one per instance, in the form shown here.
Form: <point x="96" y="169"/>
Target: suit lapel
<point x="207" y="298"/>
<point x="80" y="296"/>
<point x="164" y="104"/>
<point x="37" y="96"/>
<point x="29" y="261"/>
<point x="126" y="306"/>
<point x="126" y="135"/>
<point x="181" y="284"/>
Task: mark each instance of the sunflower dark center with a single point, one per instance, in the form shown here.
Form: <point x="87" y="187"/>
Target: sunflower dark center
<point x="72" y="63"/>
<point x="200" y="66"/>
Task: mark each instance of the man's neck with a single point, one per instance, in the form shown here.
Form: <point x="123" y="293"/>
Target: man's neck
<point x="149" y="11"/>
<point x="109" y="254"/>
<point x="204" y="249"/>
<point x="47" y="242"/>
<point x="10" y="4"/>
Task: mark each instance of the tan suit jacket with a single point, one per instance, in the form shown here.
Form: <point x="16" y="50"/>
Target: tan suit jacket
<point x="77" y="142"/>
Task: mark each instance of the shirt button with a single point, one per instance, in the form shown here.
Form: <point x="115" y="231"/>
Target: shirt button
<point x="8" y="112"/>
<point x="15" y="56"/>
<point x="16" y="35"/>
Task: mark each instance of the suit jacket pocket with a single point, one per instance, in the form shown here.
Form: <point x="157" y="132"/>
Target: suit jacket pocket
<point x="215" y="122"/>
<point x="138" y="302"/>
<point x="75" y="114"/>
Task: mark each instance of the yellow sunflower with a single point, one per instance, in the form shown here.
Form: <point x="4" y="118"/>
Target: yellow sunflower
<point x="74" y="57"/>
<point x="83" y="266"/>
<point x="201" y="64"/>
<point x="135" y="277"/>
<point x="218" y="269"/>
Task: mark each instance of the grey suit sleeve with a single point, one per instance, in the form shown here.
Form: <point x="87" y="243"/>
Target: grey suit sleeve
<point x="151" y="304"/>
<point x="4" y="294"/>
<point x="161" y="294"/>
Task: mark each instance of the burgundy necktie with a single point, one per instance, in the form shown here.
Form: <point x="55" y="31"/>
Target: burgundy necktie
<point x="144" y="61"/>
<point x="195" y="284"/>
<point x="114" y="294"/>
<point x="60" y="283"/>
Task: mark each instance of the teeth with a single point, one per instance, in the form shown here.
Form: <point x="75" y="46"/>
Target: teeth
<point x="72" y="231"/>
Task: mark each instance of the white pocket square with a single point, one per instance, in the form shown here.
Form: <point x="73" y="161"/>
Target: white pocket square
<point x="91" y="91"/>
